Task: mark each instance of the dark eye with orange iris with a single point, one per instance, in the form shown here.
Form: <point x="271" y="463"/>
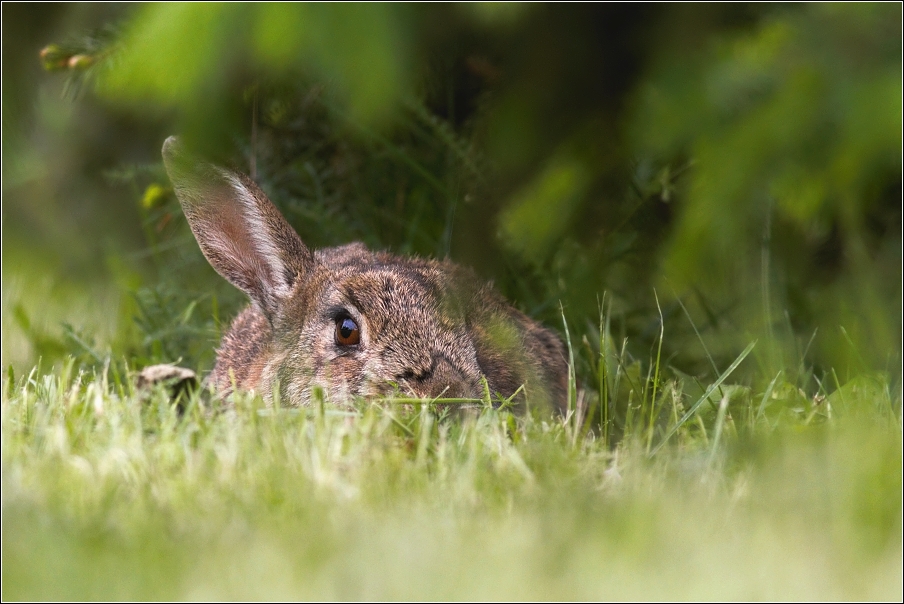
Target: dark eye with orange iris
<point x="347" y="332"/>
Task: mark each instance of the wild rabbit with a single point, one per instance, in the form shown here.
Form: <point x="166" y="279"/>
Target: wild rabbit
<point x="352" y="322"/>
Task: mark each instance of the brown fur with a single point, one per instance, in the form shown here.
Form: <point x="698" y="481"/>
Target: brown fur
<point x="428" y="328"/>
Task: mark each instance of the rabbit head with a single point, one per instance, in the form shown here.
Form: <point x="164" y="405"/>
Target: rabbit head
<point x="349" y="321"/>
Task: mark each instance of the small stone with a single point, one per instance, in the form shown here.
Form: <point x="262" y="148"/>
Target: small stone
<point x="176" y="379"/>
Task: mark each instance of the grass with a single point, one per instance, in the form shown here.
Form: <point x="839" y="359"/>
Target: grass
<point x="759" y="494"/>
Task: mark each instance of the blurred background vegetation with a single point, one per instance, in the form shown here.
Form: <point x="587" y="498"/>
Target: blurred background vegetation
<point x="725" y="173"/>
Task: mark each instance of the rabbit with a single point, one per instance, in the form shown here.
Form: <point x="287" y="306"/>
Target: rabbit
<point x="352" y="322"/>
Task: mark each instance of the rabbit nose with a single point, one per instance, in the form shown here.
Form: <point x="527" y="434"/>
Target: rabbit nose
<point x="440" y="379"/>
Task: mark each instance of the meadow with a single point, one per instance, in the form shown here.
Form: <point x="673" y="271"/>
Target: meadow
<point x="703" y="201"/>
<point x="109" y="493"/>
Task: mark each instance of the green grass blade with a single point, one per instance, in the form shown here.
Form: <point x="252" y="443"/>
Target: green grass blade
<point x="572" y="380"/>
<point x="766" y="396"/>
<point x="709" y="391"/>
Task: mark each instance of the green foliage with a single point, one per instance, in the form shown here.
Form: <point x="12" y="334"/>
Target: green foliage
<point x="745" y="162"/>
<point x="538" y="217"/>
<point x="177" y="55"/>
<point x="794" y="128"/>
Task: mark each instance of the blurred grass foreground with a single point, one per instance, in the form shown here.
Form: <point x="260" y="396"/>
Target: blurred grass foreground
<point x="704" y="199"/>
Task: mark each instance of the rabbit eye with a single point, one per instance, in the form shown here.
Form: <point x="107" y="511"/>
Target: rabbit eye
<point x="347" y="332"/>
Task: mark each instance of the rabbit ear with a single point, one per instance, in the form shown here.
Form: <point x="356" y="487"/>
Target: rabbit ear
<point x="242" y="234"/>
